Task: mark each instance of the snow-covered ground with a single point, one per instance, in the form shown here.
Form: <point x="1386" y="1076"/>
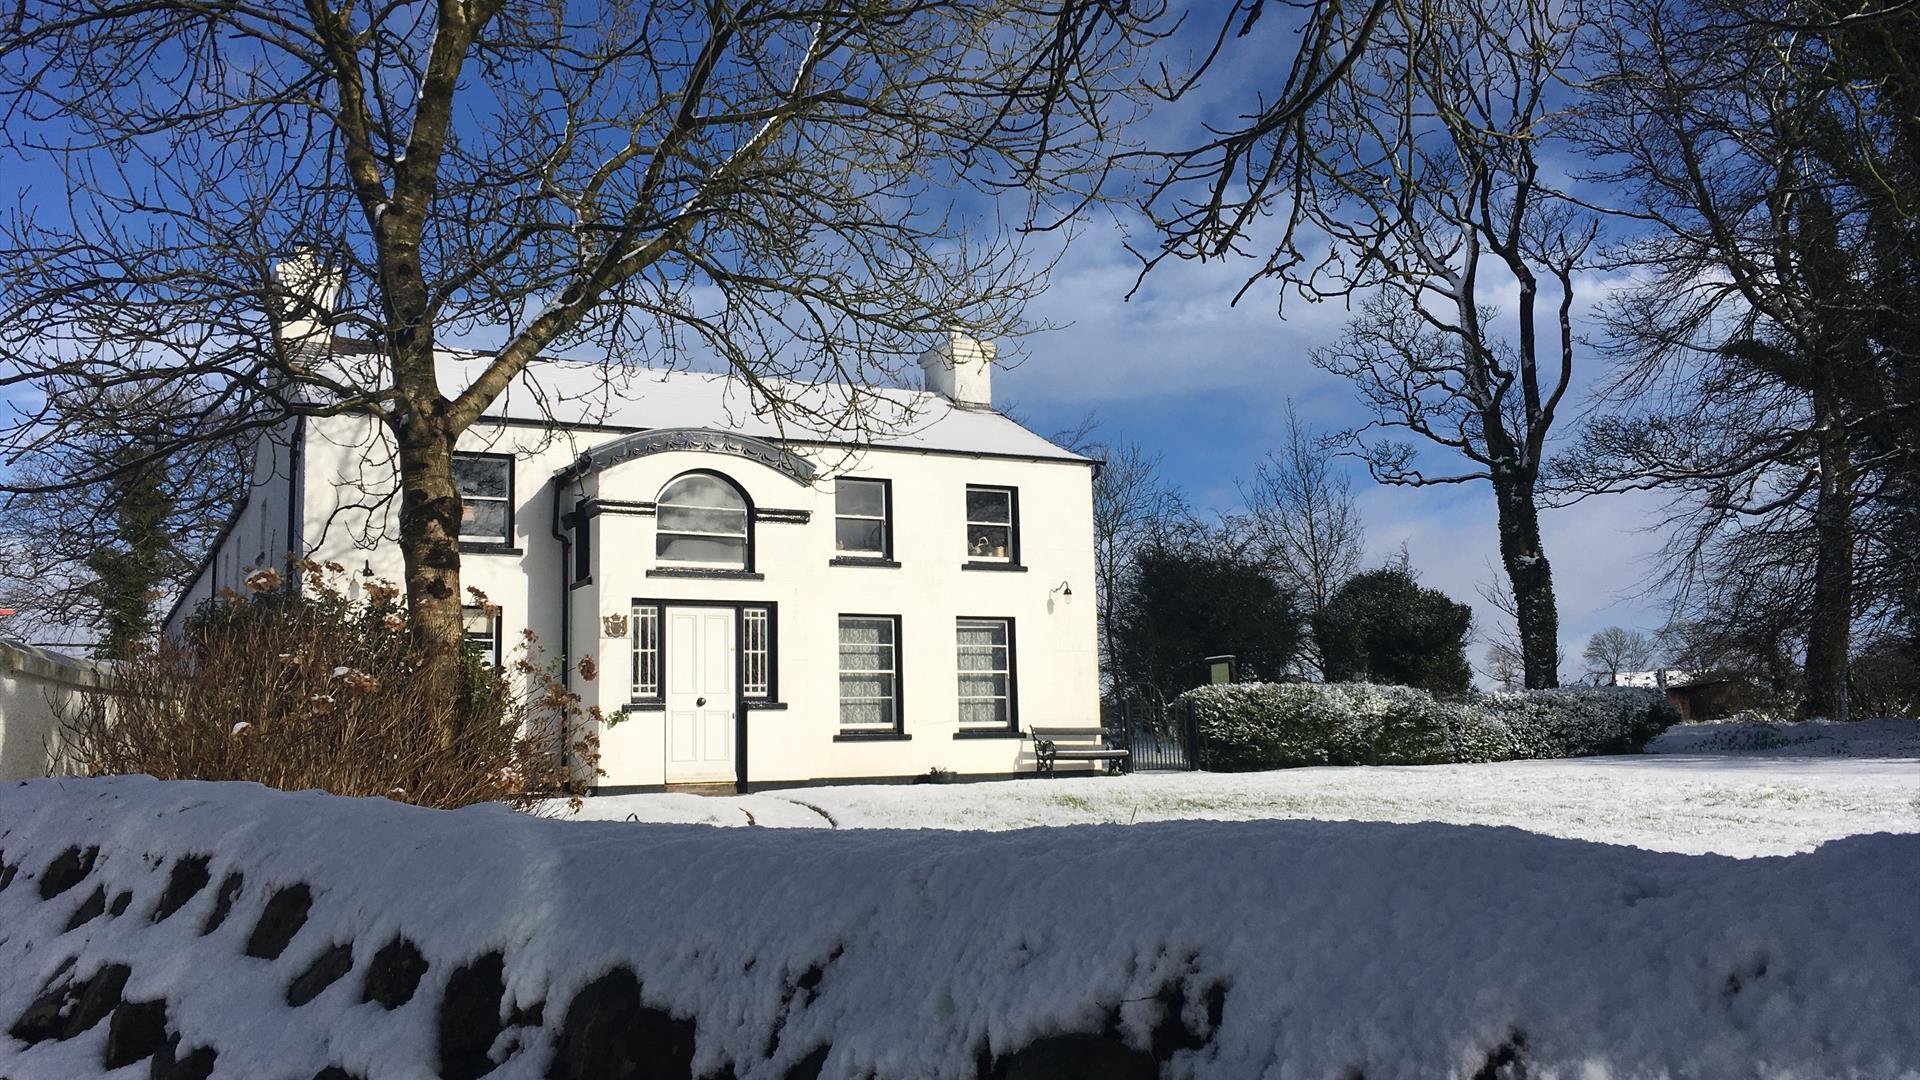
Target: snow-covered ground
<point x="1740" y="790"/>
<point x="1254" y="950"/>
<point x="1887" y="737"/>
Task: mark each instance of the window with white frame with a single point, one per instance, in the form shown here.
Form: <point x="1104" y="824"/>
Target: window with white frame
<point x="646" y="653"/>
<point x="701" y="522"/>
<point x="481" y="624"/>
<point x="756" y="653"/>
<point x="986" y="673"/>
<point x="869" y="673"/>
<point x="862" y="523"/>
<point x="485" y="483"/>
<point x="992" y="531"/>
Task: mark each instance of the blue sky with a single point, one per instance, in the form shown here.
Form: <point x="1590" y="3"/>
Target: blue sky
<point x="1180" y="370"/>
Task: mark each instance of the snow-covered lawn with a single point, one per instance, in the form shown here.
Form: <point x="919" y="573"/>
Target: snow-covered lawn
<point x="1740" y="790"/>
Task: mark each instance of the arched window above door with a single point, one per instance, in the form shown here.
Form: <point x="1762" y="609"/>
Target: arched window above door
<point x="702" y="521"/>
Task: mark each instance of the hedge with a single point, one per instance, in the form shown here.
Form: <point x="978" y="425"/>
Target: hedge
<point x="1248" y="726"/>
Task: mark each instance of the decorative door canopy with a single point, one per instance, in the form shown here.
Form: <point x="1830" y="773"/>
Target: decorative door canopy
<point x="703" y="440"/>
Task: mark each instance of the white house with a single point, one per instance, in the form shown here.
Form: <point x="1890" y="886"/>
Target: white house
<point x="766" y="602"/>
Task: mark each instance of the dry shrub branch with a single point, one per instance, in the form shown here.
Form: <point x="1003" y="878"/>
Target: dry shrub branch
<point x="316" y="685"/>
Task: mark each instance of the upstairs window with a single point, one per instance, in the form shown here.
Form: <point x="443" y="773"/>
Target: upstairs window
<point x="701" y="522"/>
<point x="485" y="483"/>
<point x="862" y="518"/>
<point x="993" y="533"/>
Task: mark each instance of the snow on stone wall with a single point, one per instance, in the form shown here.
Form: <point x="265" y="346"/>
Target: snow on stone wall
<point x="222" y="930"/>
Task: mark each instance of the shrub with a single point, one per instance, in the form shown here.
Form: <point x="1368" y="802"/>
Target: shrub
<point x="1276" y="725"/>
<point x="315" y="687"/>
<point x="1384" y="625"/>
<point x="1185" y="601"/>
<point x="1581" y="721"/>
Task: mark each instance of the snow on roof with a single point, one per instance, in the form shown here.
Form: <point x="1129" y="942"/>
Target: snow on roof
<point x="583" y="393"/>
<point x="1674" y="678"/>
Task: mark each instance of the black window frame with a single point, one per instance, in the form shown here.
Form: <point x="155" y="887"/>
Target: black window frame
<point x="899" y="727"/>
<point x="772" y="691"/>
<point x="659" y="694"/>
<point x="658" y="607"/>
<point x="994" y="562"/>
<point x="505" y="544"/>
<point x="490" y="612"/>
<point x="1013" y="674"/>
<point x="885" y="556"/>
<point x="670" y="568"/>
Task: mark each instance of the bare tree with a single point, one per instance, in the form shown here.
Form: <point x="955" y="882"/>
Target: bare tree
<point x="1421" y="164"/>
<point x="1765" y="356"/>
<point x="1504" y="663"/>
<point x="1133" y="505"/>
<point x="1425" y="218"/>
<point x="761" y="180"/>
<point x="1503" y="666"/>
<point x="1302" y="516"/>
<point x="95" y="560"/>
<point x="1616" y="649"/>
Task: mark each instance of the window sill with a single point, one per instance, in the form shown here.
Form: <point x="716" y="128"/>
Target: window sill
<point x="722" y="575"/>
<point x="1001" y="566"/>
<point x="863" y="560"/>
<point x="872" y="736"/>
<point x="477" y="547"/>
<point x="995" y="733"/>
<point x="646" y="706"/>
<point x="766" y="706"/>
<point x="581" y="583"/>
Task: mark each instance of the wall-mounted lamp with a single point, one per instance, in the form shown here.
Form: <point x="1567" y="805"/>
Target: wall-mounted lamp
<point x="1064" y="591"/>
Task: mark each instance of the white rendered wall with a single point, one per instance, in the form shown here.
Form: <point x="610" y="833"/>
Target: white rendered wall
<point x="1055" y="653"/>
<point x="39" y="693"/>
<point x="258" y="536"/>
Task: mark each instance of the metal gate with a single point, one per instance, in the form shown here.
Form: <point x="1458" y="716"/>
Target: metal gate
<point x="1159" y="737"/>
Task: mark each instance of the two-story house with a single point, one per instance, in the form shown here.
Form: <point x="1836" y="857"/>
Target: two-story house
<point x="765" y="602"/>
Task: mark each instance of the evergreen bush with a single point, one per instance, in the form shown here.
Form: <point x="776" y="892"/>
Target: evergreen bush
<point x="1248" y="726"/>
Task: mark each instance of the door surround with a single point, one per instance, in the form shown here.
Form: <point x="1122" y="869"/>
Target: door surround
<point x="736" y="607"/>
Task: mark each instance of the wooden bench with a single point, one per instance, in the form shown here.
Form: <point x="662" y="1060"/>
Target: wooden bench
<point x="1055" y="744"/>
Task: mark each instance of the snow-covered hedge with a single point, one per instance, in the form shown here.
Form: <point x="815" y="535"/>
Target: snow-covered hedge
<point x="192" y="931"/>
<point x="1275" y="725"/>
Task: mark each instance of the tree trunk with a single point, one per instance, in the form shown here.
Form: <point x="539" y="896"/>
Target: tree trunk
<point x="1830" y="625"/>
<point x="1531" y="577"/>
<point x="430" y="545"/>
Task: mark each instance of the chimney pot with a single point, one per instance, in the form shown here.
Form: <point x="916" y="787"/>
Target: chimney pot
<point x="310" y="291"/>
<point x="960" y="367"/>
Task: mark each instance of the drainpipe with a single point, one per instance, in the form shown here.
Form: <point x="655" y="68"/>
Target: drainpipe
<point x="566" y="623"/>
<point x="296" y="498"/>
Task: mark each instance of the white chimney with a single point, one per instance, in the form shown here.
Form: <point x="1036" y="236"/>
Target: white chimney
<point x="310" y="291"/>
<point x="961" y="367"/>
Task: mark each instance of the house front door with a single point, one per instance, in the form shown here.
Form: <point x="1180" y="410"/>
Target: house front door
<point x="700" y="695"/>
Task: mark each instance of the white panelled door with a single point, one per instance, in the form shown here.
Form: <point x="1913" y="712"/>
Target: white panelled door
<point x="700" y="695"/>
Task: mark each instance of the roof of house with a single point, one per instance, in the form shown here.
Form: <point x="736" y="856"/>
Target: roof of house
<point x="1675" y="678"/>
<point x="580" y="393"/>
